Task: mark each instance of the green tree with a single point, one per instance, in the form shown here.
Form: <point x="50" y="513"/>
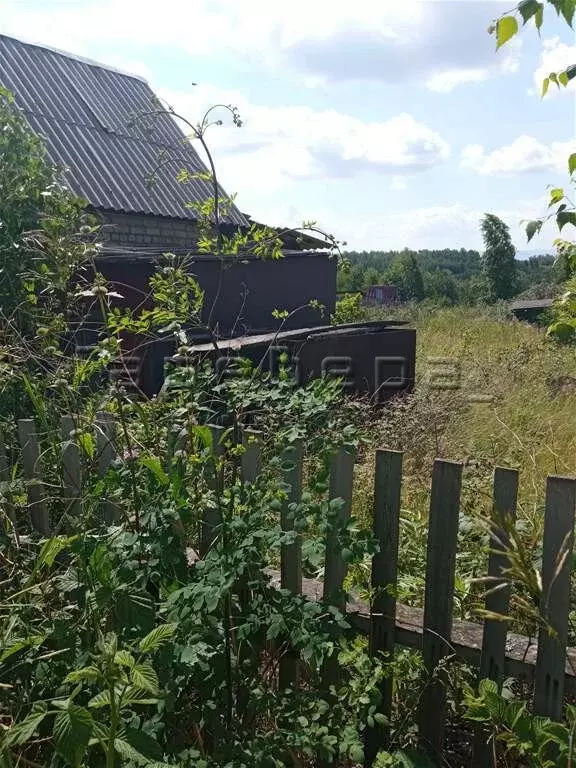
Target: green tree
<point x="440" y="286"/>
<point x="561" y="205"/>
<point x="405" y="274"/>
<point x="499" y="257"/>
<point x="371" y="277"/>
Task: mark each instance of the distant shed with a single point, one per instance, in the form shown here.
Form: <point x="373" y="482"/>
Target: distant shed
<point x="530" y="310"/>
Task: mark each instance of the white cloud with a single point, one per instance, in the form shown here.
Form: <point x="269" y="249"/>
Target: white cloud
<point x="525" y="154"/>
<point x="432" y="41"/>
<point x="447" y="226"/>
<point x="444" y="82"/>
<point x="279" y="145"/>
<point x="399" y="183"/>
<point x="555" y="57"/>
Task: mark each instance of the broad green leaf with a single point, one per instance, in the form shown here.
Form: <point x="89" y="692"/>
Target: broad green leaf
<point x="565" y="217"/>
<point x="563" y="78"/>
<point x="567" y="8"/>
<point x="143" y="743"/>
<point x="545" y="86"/>
<point x="129" y="753"/>
<point x="72" y="731"/>
<point x="553" y="77"/>
<point x="204" y="434"/>
<point x="86" y="673"/>
<point x="539" y="17"/>
<point x="124" y="659"/>
<point x="154" y="465"/>
<point x="529" y="8"/>
<point x="50" y="550"/>
<point x="487" y="686"/>
<point x="30" y="642"/>
<point x="572" y="163"/>
<point x="23" y="731"/>
<point x="87" y="443"/>
<point x="101" y="699"/>
<point x="562" y="330"/>
<point x="556" y="195"/>
<point x="144" y="677"/>
<point x="532" y="228"/>
<point x="506" y="28"/>
<point x="158" y="637"/>
<point x="134" y="695"/>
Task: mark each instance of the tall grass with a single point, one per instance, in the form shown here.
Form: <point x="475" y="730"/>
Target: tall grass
<point x="526" y="419"/>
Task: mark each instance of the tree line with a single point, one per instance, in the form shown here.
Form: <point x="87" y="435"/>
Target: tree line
<point x="452" y="276"/>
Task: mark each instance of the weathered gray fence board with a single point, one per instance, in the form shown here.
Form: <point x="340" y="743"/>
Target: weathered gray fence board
<point x="252" y="456"/>
<point x="493" y="658"/>
<point x="386" y="526"/>
<point x="32" y="471"/>
<point x="291" y="554"/>
<point x="5" y="478"/>
<point x="212" y="520"/>
<point x="438" y="598"/>
<point x="555" y="609"/>
<point x="71" y="469"/>
<point x="105" y="427"/>
<point x="335" y="567"/>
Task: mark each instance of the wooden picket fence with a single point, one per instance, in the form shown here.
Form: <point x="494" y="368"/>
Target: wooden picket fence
<point x="547" y="663"/>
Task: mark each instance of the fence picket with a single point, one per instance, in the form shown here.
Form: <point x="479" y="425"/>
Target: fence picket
<point x="5" y="478"/>
<point x="105" y="425"/>
<point x="556" y="569"/>
<point x="71" y="469"/>
<point x="32" y="471"/>
<point x="492" y="660"/>
<point x="386" y="524"/>
<point x="250" y="462"/>
<point x="291" y="555"/>
<point x="438" y="598"/>
<point x="212" y="518"/>
<point x="335" y="567"/>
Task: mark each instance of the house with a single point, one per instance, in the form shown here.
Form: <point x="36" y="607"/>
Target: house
<point x="381" y="296"/>
<point x="104" y="129"/>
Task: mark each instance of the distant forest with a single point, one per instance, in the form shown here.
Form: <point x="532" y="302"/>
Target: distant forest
<point x="447" y="276"/>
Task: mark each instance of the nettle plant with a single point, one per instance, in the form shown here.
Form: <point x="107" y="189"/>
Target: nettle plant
<point x="561" y="204"/>
<point x="130" y="637"/>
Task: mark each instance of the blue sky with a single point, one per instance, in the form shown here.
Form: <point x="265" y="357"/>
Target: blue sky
<point x="392" y="123"/>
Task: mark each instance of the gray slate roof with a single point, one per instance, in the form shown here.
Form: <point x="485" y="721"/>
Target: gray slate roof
<point x="86" y="113"/>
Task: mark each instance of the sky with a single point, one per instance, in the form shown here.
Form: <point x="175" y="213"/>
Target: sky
<point x="391" y="123"/>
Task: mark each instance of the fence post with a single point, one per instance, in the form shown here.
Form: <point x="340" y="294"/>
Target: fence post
<point x="71" y="469"/>
<point x="291" y="554"/>
<point x="212" y="518"/>
<point x="105" y="424"/>
<point x="438" y="598"/>
<point x="505" y="496"/>
<point x="33" y="473"/>
<point x="555" y="608"/>
<point x="386" y="525"/>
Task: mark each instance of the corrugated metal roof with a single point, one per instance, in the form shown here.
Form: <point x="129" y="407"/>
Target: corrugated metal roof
<point x="92" y="120"/>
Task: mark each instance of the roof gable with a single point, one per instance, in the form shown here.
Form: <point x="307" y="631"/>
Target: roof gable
<point x="91" y="119"/>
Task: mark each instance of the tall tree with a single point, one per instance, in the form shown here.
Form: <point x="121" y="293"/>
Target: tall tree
<point x="499" y="257"/>
<point x="405" y="274"/>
